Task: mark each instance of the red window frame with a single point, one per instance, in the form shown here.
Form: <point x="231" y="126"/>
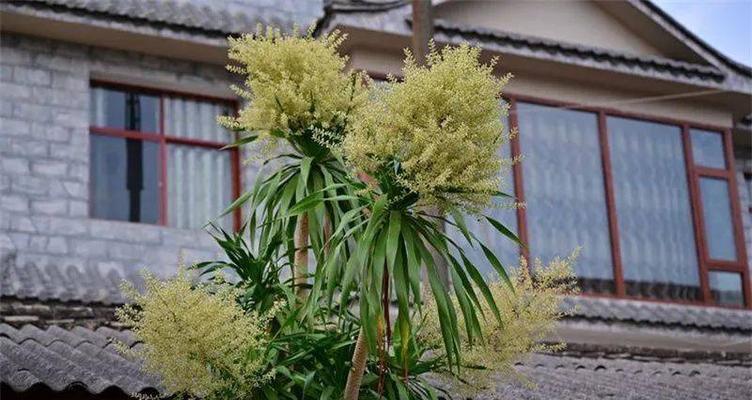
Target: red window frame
<point x="694" y="173"/>
<point x="164" y="138"/>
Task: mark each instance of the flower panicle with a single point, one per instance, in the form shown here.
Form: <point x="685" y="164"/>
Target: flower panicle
<point x="442" y="122"/>
<point x="294" y="84"/>
<point x="196" y="337"/>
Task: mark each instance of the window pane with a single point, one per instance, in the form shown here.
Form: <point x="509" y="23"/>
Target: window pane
<point x="124" y="179"/>
<point x="195" y="119"/>
<point x="146" y="113"/>
<point x="653" y="210"/>
<point x="726" y="288"/>
<point x="108" y="108"/>
<point x="707" y="149"/>
<point x="716" y="211"/>
<point x="504" y="249"/>
<point x="199" y="186"/>
<point x="564" y="191"/>
<point x="124" y="110"/>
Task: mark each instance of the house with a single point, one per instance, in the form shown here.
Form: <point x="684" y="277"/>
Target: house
<point x="637" y="145"/>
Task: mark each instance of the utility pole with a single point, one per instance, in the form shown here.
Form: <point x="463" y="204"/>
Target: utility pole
<point x="422" y="29"/>
<point x="422" y="35"/>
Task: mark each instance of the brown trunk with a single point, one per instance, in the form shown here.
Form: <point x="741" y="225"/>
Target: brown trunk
<point x="300" y="277"/>
<point x="360" y="355"/>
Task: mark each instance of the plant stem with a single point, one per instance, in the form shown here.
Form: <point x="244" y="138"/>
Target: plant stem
<point x="352" y="389"/>
<point x="300" y="277"/>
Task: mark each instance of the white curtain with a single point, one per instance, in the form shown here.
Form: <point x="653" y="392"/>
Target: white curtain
<point x="199" y="178"/>
<point x="194" y="119"/>
<point x="564" y="191"/>
<point x="653" y="209"/>
<point x="199" y="186"/>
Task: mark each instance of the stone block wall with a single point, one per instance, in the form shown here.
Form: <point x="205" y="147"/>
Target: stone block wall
<point x="44" y="159"/>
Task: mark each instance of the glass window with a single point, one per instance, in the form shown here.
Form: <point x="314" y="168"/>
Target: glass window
<point x="564" y="191"/>
<point x="726" y="288"/>
<point x="716" y="211"/>
<point x="126" y="158"/>
<point x="199" y="186"/>
<point x="504" y="249"/>
<point x="124" y="179"/>
<point x="707" y="149"/>
<point x="656" y="234"/>
<point x="193" y="119"/>
<point x="124" y="110"/>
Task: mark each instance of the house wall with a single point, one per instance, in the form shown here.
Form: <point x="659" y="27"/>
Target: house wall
<point x="44" y="157"/>
<point x="578" y="22"/>
<point x="577" y="87"/>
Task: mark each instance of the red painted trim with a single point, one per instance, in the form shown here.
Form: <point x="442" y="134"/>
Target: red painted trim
<point x="103" y="130"/>
<point x="194" y="142"/>
<point x="696" y="209"/>
<point x="713" y="172"/>
<point x="519" y="188"/>
<point x="693" y="174"/>
<point x="163" y="165"/>
<point x="163" y="139"/>
<point x="159" y="91"/>
<point x="613" y="223"/>
<point x="236" y="186"/>
<point x="615" y="112"/>
<point x="736" y="218"/>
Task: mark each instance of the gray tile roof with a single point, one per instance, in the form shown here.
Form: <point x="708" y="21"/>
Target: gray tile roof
<point x="73" y="283"/>
<point x="212" y="17"/>
<point x="556" y="377"/>
<point x="61" y="282"/>
<point x="394" y="17"/>
<point x="653" y="313"/>
<point x="61" y="359"/>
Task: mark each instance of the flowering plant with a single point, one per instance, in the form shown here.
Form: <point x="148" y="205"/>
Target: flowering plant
<point x="431" y="139"/>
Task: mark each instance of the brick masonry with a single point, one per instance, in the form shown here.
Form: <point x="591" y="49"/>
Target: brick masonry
<point x="44" y="159"/>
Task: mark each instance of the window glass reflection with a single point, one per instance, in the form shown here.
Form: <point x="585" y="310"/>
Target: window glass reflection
<point x="564" y="191"/>
<point x="656" y="233"/>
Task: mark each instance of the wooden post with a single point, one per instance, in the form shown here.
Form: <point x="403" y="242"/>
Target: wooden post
<point x="422" y="29"/>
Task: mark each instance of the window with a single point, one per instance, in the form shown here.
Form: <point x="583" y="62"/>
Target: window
<point x="155" y="158"/>
<point x="652" y="202"/>
<point x="562" y="171"/>
<point x="505" y="250"/>
<point x="654" y="210"/>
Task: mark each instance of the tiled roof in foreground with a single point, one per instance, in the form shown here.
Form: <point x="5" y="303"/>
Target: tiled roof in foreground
<point x="61" y="360"/>
<point x="73" y="283"/>
<point x="557" y="377"/>
<point x="58" y="360"/>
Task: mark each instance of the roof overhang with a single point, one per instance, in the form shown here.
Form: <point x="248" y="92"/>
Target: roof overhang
<point x="103" y="30"/>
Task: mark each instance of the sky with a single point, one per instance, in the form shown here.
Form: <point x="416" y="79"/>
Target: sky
<point x="724" y="24"/>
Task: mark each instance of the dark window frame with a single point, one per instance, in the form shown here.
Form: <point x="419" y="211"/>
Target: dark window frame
<point x="164" y="138"/>
<point x="694" y="174"/>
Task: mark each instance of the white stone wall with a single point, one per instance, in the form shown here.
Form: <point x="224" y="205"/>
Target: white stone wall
<point x="44" y="159"/>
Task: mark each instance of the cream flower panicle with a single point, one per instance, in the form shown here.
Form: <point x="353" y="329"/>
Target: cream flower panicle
<point x="293" y="84"/>
<point x="197" y="339"/>
<point x="528" y="317"/>
<point x="442" y="123"/>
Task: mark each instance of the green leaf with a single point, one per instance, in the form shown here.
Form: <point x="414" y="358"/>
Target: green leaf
<point x="497" y="266"/>
<point x="504" y="230"/>
<point x="237" y="203"/>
